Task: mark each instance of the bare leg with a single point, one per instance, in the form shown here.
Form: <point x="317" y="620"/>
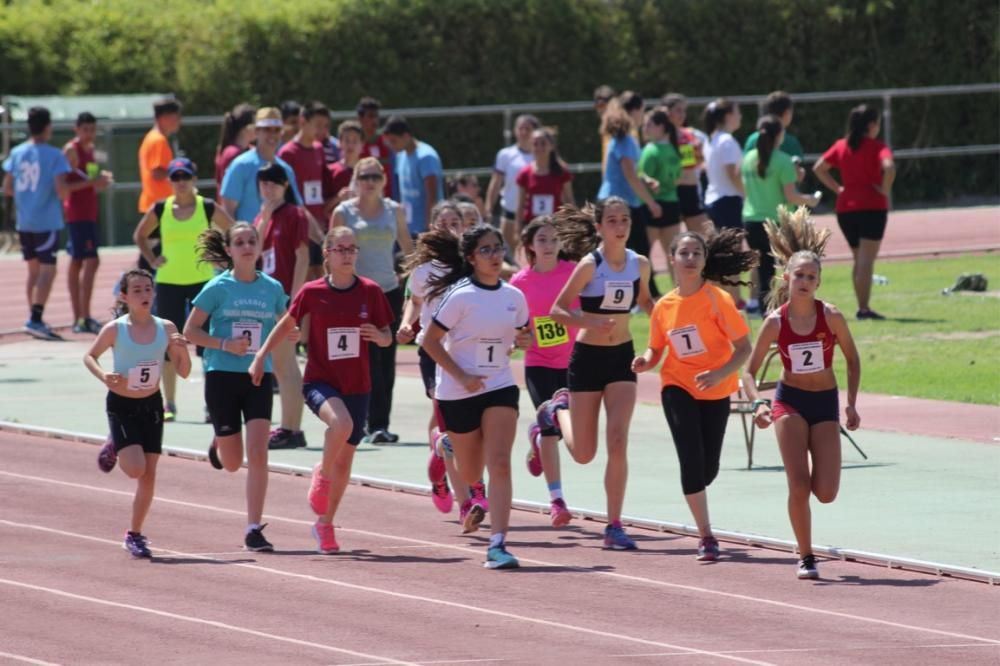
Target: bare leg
<point x="169" y="382"/>
<point x="43" y="285"/>
<point x="339" y="479"/>
<point x="499" y="427"/>
<point x="337" y="459"/>
<point x="824" y="449"/>
<point x="619" y="402"/>
<point x="33" y="270"/>
<point x="140" y="466"/>
<point x="793" y="440"/>
<point x="864" y="268"/>
<point x="700" y="224"/>
<point x="548" y="448"/>
<point x="230" y="450"/>
<point x="579" y="424"/>
<point x="257" y="473"/>
<point x="469" y="459"/>
<point x="286" y="371"/>
<point x="73" y="286"/>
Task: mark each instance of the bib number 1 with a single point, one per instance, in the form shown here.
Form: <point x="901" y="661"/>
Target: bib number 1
<point x="686" y="342"/>
<point x="491" y="355"/>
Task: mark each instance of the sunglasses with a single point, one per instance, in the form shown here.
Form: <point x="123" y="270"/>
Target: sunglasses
<point x="490" y="250"/>
<point x="180" y="176"/>
<point x="370" y="176"/>
<point x="346" y="250"/>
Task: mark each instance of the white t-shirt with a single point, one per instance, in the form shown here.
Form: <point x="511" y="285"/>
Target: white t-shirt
<point x="481" y="324"/>
<point x="418" y="287"/>
<point x="721" y="149"/>
<point x="510" y="161"/>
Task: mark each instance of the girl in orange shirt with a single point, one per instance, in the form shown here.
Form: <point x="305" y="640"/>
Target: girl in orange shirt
<point x="707" y="341"/>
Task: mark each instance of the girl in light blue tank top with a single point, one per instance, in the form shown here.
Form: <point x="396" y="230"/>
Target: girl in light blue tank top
<point x="138" y="341"/>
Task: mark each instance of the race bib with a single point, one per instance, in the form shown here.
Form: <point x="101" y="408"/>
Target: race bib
<point x="249" y="330"/>
<point x="343" y="342"/>
<point x="806" y="357"/>
<point x="550" y="333"/>
<point x="268" y="260"/>
<point x="686" y="342"/>
<point x="312" y="191"/>
<point x="145" y="375"/>
<point x="542" y="204"/>
<point x="491" y="355"/>
<point x="688" y="159"/>
<point x="618" y="295"/>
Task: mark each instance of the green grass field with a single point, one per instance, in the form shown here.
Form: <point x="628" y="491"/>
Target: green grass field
<point x="931" y="346"/>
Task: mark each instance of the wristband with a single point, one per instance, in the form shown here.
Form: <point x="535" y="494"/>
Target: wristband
<point x="757" y="403"/>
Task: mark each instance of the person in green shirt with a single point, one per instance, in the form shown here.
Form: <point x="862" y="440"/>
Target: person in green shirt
<point x="660" y="167"/>
<point x="769" y="177"/>
<point x="779" y="104"/>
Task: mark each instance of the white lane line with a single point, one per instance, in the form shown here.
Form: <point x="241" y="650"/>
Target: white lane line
<point x="402" y="595"/>
<point x="857" y="648"/>
<point x="26" y="660"/>
<point x="202" y="621"/>
<point x="609" y="574"/>
<point x="449" y="661"/>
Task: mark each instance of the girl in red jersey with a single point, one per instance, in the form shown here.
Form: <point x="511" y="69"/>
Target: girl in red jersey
<point x="806" y="404"/>
<point x="339" y="313"/>
<point x="545" y="183"/>
<point x="867" y="171"/>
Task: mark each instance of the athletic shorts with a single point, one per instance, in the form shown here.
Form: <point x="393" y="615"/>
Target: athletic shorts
<point x="543" y="382"/>
<point x="316" y="395"/>
<point x="315" y="254"/>
<point x="592" y="367"/>
<point x="428" y="372"/>
<point x="136" y="421"/>
<point x="40" y="245"/>
<point x="690" y="200"/>
<point x="671" y="215"/>
<point x="863" y="224"/>
<point x="466" y="415"/>
<point x="229" y="395"/>
<point x="509" y="215"/>
<point x="82" y="242"/>
<point x="173" y="302"/>
<point x="726" y="212"/>
<point x="813" y="406"/>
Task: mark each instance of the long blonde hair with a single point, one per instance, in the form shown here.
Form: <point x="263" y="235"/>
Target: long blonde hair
<point x="793" y="237"/>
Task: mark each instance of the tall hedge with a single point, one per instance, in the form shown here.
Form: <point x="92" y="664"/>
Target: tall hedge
<point x="453" y="52"/>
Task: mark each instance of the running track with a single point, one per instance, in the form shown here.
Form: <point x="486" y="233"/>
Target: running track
<point x="408" y="588"/>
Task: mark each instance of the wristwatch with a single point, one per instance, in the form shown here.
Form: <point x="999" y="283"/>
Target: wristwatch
<point x="757" y="403"/>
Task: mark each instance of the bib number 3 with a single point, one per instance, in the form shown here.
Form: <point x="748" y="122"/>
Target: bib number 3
<point x="807" y="357"/>
<point x="343" y="343"/>
<point x="251" y="331"/>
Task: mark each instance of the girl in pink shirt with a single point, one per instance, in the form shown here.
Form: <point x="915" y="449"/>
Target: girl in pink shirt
<point x="546" y="361"/>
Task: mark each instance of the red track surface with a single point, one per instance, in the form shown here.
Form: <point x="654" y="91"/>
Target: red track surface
<point x="408" y="588"/>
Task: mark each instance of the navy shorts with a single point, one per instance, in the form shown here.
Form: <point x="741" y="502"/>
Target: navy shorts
<point x="230" y="395"/>
<point x="136" y="421"/>
<point x="82" y="242"/>
<point x="690" y="200"/>
<point x="726" y="212"/>
<point x="315" y="254"/>
<point x="466" y="415"/>
<point x="813" y="406"/>
<point x="316" y="395"/>
<point x="40" y="245"/>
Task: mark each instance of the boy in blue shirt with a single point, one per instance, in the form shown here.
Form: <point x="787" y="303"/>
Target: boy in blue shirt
<point x="35" y="176"/>
<point x="418" y="172"/>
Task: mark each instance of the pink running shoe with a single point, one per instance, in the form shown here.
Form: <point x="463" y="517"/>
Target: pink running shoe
<point x="319" y="491"/>
<point x="325" y="540"/>
<point x="107" y="458"/>
<point x="534" y="453"/>
<point x="436" y="470"/>
<point x="470" y="515"/>
<point x="442" y="497"/>
<point x="477" y="493"/>
<point x="559" y="514"/>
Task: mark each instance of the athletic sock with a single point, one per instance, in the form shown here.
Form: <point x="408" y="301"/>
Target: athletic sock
<point x="252" y="526"/>
<point x="555" y="490"/>
<point x="36" y="313"/>
<point x="616" y="523"/>
<point x="496" y="540"/>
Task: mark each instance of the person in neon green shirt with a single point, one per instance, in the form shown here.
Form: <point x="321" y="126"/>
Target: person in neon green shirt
<point x="660" y="165"/>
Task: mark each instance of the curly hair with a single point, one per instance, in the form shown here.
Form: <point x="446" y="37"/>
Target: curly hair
<point x="793" y="237"/>
<point x="442" y="247"/>
<point x="212" y="244"/>
<point x="724" y="255"/>
<point x="577" y="227"/>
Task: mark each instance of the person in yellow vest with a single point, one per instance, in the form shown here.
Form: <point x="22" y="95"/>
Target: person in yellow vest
<point x="180" y="274"/>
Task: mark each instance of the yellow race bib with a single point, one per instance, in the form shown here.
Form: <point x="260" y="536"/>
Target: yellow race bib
<point x="550" y="333"/>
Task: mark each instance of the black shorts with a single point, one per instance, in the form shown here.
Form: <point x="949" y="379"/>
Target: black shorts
<point x="509" y="215"/>
<point x="592" y="367"/>
<point x="466" y="415"/>
<point x="228" y="395"/>
<point x="863" y="224"/>
<point x="315" y="254"/>
<point x="428" y="372"/>
<point x="40" y="245"/>
<point x="690" y="200"/>
<point x="173" y="303"/>
<point x="543" y="382"/>
<point x="82" y="243"/>
<point x="671" y="215"/>
<point x="726" y="212"/>
<point x="136" y="421"/>
<point x="316" y="395"/>
<point x="813" y="406"/>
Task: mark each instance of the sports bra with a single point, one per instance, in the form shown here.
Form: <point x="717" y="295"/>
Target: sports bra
<point x="806" y="354"/>
<point x="609" y="291"/>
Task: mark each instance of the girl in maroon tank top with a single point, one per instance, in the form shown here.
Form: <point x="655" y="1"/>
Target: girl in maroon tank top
<point x="805" y="411"/>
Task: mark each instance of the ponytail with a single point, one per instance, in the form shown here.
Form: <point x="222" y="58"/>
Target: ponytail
<point x="715" y="114"/>
<point x="233" y="123"/>
<point x="443" y="248"/>
<point x="858" y="121"/>
<point x="658" y="116"/>
<point x="577" y="228"/>
<point x="724" y="255"/>
<point x="121" y="307"/>
<point x="768" y="129"/>
<point x="212" y="244"/>
<point x="792" y="237"/>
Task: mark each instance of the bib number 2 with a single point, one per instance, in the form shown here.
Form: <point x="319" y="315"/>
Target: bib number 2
<point x="343" y="343"/>
<point x="807" y="357"/>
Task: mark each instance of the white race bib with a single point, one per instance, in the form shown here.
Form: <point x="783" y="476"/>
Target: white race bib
<point x="806" y="357"/>
<point x="491" y="355"/>
<point x="686" y="342"/>
<point x="251" y="331"/>
<point x="542" y="204"/>
<point x="344" y="342"/>
<point x="618" y="295"/>
<point x="145" y="375"/>
<point x="268" y="260"/>
<point x="312" y="191"/>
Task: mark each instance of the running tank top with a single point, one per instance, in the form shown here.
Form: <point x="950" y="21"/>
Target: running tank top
<point x="179" y="244"/>
<point x="81" y="205"/>
<point x="609" y="291"/>
<point x="139" y="364"/>
<point x="806" y="354"/>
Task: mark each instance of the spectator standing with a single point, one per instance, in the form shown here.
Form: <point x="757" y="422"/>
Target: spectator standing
<point x="237" y="133"/>
<point x="779" y="104"/>
<point x="375" y="143"/>
<point x="155" y="153"/>
<point x="342" y="171"/>
<point x="290" y="112"/>
<point x="503" y="182"/>
<point x="418" y="171"/>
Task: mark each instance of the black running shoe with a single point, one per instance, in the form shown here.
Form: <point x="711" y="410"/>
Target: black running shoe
<point x="256" y="542"/>
<point x="135" y="544"/>
<point x="213" y="455"/>
<point x="807" y="568"/>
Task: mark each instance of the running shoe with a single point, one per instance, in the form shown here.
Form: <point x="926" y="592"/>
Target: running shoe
<point x="470" y="515"/>
<point x="546" y="415"/>
<point x="477" y="493"/>
<point x="443" y="446"/>
<point x="255" y="541"/>
<point x="283" y="438"/>
<point x="108" y="457"/>
<point x="326" y="541"/>
<point x="300" y="439"/>
<point x="807" y="568"/>
<point x="213" y="455"/>
<point x="441" y="496"/>
<point x="91" y="325"/>
<point x="436" y="469"/>
<point x="169" y="412"/>
<point x="135" y="543"/>
<point x="319" y="491"/>
<point x="870" y="314"/>
<point x="708" y="549"/>
<point x="534" y="459"/>
<point x="559" y="514"/>
<point x="41" y="331"/>
<point x="497" y="557"/>
<point x="616" y="539"/>
<point x="80" y="326"/>
<point x="380" y="436"/>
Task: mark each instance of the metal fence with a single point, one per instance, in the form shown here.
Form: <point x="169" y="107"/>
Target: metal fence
<point x="508" y="112"/>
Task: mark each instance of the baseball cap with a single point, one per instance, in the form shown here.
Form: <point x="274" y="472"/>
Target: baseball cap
<point x="268" y="117"/>
<point x="180" y="164"/>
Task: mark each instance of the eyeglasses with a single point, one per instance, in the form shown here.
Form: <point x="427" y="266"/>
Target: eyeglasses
<point x="180" y="176"/>
<point x="345" y="250"/>
<point x="490" y="250"/>
<point x="370" y="176"/>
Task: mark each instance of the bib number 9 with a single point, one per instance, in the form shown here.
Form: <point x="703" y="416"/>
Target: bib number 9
<point x="618" y="295"/>
<point x="343" y="343"/>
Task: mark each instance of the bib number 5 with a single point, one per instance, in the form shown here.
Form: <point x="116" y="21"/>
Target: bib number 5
<point x="145" y="375"/>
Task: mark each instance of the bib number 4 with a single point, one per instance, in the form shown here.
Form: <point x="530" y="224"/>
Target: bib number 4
<point x="343" y="343"/>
